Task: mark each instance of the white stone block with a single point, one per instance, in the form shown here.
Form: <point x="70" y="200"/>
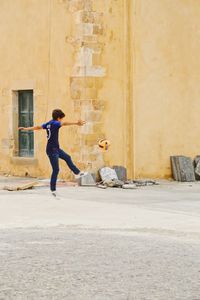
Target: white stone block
<point x="107" y="173"/>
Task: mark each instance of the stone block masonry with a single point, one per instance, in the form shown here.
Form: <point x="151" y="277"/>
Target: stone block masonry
<point x="87" y="79"/>
<point x="182" y="168"/>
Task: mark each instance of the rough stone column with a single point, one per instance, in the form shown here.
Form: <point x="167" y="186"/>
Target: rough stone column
<point x="86" y="80"/>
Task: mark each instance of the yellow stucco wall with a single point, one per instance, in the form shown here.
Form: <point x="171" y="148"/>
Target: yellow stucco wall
<point x="129" y="67"/>
<point x="166" y="83"/>
<point x="41" y="50"/>
<point x="33" y="56"/>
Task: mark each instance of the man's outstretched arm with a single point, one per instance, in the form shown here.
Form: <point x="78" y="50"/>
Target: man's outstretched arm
<point x="79" y="123"/>
<point x="30" y="128"/>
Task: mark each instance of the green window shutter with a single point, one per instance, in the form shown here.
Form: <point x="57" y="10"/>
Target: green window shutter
<point x="26" y="138"/>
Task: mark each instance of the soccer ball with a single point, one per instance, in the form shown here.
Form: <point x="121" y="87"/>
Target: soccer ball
<point x="104" y="144"/>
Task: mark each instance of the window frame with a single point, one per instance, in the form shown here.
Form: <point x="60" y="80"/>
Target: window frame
<point x="25" y="119"/>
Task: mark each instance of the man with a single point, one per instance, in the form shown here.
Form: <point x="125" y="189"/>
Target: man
<point x="53" y="149"/>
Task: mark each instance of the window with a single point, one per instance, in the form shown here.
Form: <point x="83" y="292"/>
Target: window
<point x="25" y="109"/>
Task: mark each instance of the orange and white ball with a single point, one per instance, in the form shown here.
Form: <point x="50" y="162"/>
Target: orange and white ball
<point x="104" y="144"/>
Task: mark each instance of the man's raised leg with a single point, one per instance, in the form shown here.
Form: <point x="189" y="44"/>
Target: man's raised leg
<point x="67" y="158"/>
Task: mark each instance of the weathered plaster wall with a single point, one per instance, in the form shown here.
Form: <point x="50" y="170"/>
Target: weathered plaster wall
<point x="166" y="77"/>
<point x="36" y="56"/>
<point x="129" y="67"/>
<point x="98" y="79"/>
<point x="69" y="52"/>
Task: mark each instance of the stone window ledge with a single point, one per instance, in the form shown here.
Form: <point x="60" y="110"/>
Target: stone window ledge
<point x="24" y="160"/>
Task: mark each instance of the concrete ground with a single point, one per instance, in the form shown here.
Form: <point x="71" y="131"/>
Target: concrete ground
<point x="97" y="244"/>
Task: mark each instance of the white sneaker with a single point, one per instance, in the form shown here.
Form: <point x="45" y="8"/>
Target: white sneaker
<point x="55" y="195"/>
<point x="81" y="174"/>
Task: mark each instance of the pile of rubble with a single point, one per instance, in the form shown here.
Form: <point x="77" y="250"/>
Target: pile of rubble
<point x="113" y="177"/>
<point x="185" y="169"/>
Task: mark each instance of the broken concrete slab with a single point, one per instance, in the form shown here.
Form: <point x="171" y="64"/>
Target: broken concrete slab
<point x="129" y="186"/>
<point x="186" y="169"/>
<point x="141" y="183"/>
<point x="107" y="173"/>
<point x="182" y="168"/>
<point x="20" y="187"/>
<point x="145" y="182"/>
<point x="121" y="172"/>
<point x="197" y="167"/>
<point x="94" y="176"/>
<point x="175" y="170"/>
<point x="113" y="183"/>
<point x="102" y="186"/>
<point x="87" y="180"/>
